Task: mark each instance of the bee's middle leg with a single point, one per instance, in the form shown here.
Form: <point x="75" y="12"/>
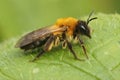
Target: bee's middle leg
<point x="72" y="51"/>
<point x="69" y="45"/>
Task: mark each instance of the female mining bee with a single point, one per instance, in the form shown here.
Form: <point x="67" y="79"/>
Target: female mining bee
<point x="63" y="31"/>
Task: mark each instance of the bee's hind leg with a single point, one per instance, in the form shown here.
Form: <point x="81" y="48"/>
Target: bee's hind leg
<point x="38" y="55"/>
<point x="47" y="46"/>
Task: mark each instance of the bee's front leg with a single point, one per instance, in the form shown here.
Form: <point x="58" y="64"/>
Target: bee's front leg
<point x="82" y="45"/>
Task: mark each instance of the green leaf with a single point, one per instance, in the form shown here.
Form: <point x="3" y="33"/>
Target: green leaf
<point x="59" y="64"/>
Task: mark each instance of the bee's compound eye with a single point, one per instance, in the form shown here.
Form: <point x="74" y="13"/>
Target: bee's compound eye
<point x="83" y="27"/>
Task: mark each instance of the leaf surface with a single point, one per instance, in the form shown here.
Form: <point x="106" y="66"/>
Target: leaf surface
<point x="59" y="64"/>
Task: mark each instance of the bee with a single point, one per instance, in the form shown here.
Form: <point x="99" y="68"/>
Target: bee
<point x="62" y="32"/>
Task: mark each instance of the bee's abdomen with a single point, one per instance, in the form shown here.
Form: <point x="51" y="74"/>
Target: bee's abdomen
<point x="35" y="44"/>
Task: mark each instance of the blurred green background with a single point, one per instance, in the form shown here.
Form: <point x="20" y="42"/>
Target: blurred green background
<point x="19" y="16"/>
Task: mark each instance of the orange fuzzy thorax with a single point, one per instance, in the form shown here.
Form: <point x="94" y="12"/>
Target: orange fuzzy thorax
<point x="68" y="22"/>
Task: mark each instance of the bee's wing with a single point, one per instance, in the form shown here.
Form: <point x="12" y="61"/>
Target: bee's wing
<point x="38" y="35"/>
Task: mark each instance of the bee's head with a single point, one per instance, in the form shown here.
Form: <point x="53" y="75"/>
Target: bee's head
<point x="83" y="28"/>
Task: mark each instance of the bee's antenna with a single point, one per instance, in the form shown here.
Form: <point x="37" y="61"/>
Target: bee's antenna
<point x="88" y="20"/>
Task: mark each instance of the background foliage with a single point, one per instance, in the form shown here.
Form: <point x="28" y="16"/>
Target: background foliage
<point x="19" y="16"/>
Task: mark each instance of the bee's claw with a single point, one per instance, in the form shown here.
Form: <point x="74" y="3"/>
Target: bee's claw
<point x="80" y="59"/>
